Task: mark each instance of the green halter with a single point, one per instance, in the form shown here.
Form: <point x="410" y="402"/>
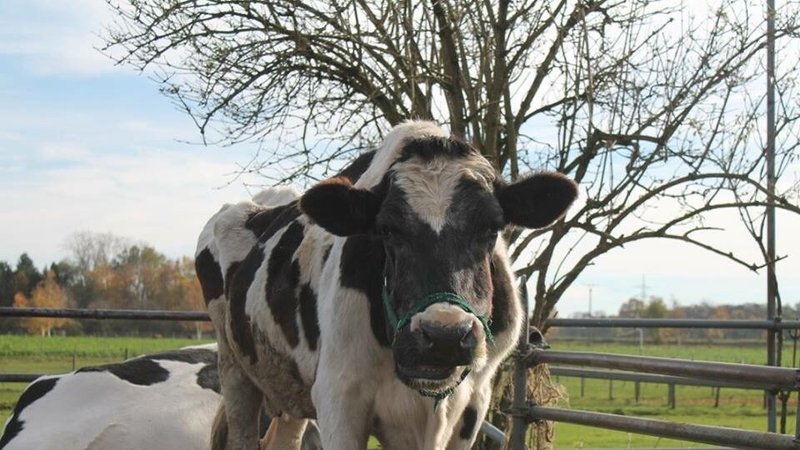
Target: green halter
<point x="436" y="297"/>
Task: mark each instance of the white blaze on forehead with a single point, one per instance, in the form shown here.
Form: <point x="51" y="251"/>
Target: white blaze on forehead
<point x="393" y="143"/>
<point x="429" y="186"/>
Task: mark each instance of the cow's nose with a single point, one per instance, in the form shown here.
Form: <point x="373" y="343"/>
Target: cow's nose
<point x="451" y="345"/>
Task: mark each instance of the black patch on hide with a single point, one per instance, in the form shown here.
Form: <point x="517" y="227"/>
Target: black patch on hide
<point x="283" y="277"/>
<point x="272" y="219"/>
<point x="308" y="316"/>
<point x="240" y="322"/>
<point x="430" y="147"/>
<point x="208" y="377"/>
<point x="229" y="277"/>
<point x="138" y="371"/>
<point x="33" y="392"/>
<point x="326" y="254"/>
<point x="361" y="268"/>
<point x="209" y="274"/>
<point x="468" y="421"/>
<point x="501" y="298"/>
<point x="357" y="168"/>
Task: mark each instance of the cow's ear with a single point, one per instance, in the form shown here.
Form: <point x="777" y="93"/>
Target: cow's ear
<point x="340" y="208"/>
<point x="537" y="201"/>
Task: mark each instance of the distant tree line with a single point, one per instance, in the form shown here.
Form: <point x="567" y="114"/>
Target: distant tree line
<point x="102" y="271"/>
<point x="656" y="308"/>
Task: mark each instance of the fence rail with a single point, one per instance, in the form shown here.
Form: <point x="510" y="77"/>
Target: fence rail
<point x="137" y="314"/>
<point x="767" y="377"/>
<point x="697" y="433"/>
<point x="664" y="370"/>
<point x="617" y="375"/>
<point x="102" y="314"/>
<point x="774" y="325"/>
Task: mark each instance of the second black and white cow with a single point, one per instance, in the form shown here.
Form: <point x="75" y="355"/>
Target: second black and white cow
<point x="161" y="401"/>
<point x="380" y="301"/>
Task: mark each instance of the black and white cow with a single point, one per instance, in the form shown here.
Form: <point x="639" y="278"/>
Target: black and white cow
<point x="381" y="301"/>
<point x="162" y="401"/>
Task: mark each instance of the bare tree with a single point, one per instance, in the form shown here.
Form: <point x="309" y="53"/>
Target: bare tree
<point x="655" y="113"/>
<point x="654" y="107"/>
<point x="89" y="250"/>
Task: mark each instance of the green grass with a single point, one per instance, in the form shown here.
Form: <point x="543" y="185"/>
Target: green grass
<point x="83" y="346"/>
<point x="738" y="408"/>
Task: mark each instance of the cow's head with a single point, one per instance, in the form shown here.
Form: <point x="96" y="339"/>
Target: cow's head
<point x="439" y="212"/>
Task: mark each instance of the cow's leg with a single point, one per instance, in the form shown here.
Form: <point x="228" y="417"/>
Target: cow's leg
<point x="342" y="412"/>
<point x="467" y="426"/>
<point x="284" y="433"/>
<point x="241" y="399"/>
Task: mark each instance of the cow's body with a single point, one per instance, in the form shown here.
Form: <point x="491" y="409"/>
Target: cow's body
<point x="300" y="315"/>
<point x="162" y="401"/>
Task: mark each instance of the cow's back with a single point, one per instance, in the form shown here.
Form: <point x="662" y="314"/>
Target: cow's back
<point x="165" y="401"/>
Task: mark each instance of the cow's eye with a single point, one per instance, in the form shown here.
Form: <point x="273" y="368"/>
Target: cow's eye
<point x="491" y="234"/>
<point x="388" y="232"/>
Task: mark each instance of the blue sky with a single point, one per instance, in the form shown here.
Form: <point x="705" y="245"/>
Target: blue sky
<point x="87" y="146"/>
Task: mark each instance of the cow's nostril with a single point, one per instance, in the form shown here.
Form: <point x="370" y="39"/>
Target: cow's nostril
<point x="455" y="336"/>
<point x="469" y="341"/>
<point x="425" y="339"/>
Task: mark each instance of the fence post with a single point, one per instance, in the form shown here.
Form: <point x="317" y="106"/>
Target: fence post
<point x="716" y="398"/>
<point x="636" y="391"/>
<point x="671" y="396"/>
<point x="520" y="402"/>
<point x="583" y="386"/>
<point x="611" y="389"/>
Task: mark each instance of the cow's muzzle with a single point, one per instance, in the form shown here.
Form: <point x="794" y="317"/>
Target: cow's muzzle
<point x="434" y="355"/>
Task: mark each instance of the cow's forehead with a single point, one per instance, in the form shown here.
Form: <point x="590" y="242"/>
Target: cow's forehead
<point x="429" y="184"/>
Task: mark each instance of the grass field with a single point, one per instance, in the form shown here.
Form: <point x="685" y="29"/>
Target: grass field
<point x="737" y="408"/>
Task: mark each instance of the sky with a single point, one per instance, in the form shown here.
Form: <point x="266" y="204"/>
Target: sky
<point x="89" y="146"/>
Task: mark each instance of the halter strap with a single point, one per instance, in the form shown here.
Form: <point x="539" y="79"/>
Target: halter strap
<point x="436" y="297"/>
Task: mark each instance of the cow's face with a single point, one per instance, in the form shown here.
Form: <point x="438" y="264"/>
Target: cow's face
<point x="439" y="212"/>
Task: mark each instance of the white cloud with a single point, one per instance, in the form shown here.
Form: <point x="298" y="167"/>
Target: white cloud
<point x="56" y="151"/>
<point x="55" y="37"/>
<point x="162" y="198"/>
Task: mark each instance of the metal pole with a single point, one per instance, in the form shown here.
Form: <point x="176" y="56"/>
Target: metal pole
<point x="732" y="437"/>
<point x="768" y="377"/>
<point x="520" y="422"/>
<point x="675" y="323"/>
<point x="656" y="379"/>
<point x="493" y="433"/>
<point x="122" y="314"/>
<point x="772" y="350"/>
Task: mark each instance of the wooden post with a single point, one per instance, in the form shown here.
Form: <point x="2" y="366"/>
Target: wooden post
<point x="637" y="390"/>
<point x="671" y="396"/>
<point x="520" y="402"/>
